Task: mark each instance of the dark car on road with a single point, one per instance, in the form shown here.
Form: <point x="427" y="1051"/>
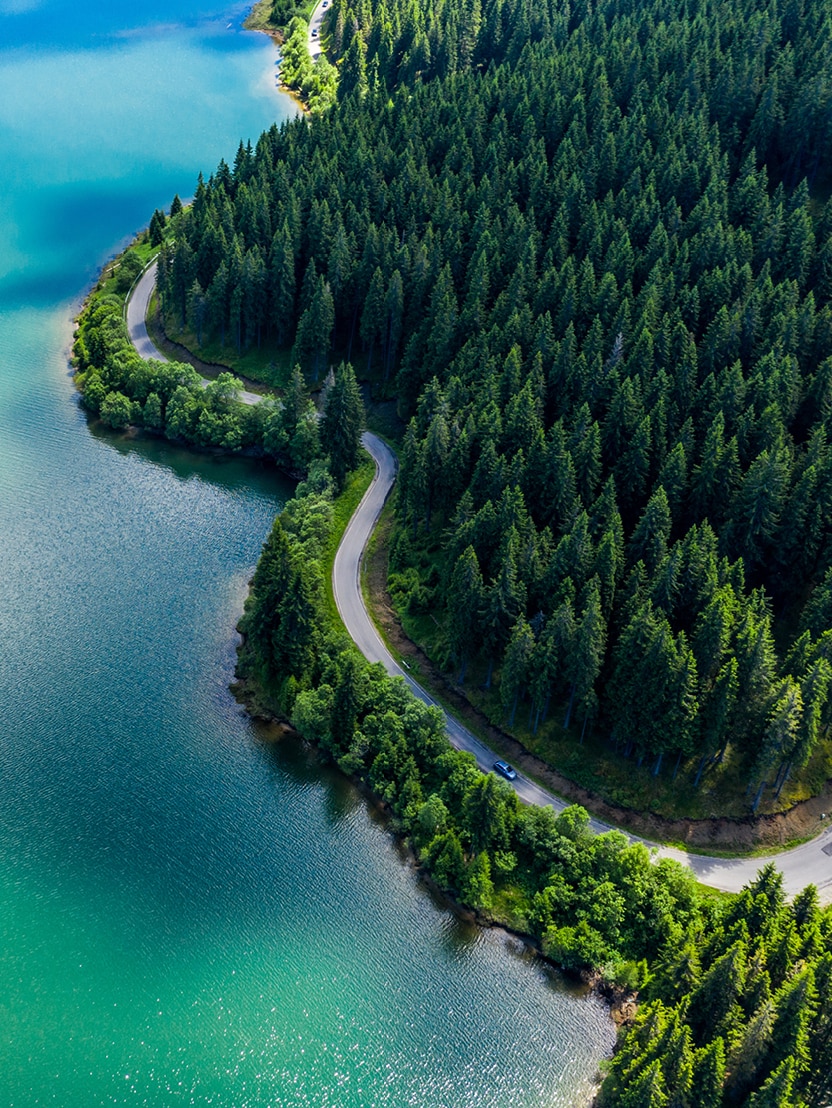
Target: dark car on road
<point x="505" y="770"/>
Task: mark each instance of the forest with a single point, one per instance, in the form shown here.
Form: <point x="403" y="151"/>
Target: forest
<point x="172" y="400"/>
<point x="735" y="993"/>
<point x="588" y="249"/>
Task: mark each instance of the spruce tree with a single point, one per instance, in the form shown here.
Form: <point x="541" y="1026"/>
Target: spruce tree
<point x="342" y="423"/>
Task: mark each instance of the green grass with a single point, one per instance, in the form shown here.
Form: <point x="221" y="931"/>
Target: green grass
<point x="107" y="284"/>
<point x="343" y="507"/>
<point x="707" y="892"/>
<point x="268" y="364"/>
<point x="511" y="907"/>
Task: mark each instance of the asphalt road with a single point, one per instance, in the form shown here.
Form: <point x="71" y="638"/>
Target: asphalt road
<point x="314" y="40"/>
<point x="801" y="866"/>
<point x="810" y="863"/>
<point x="137" y="305"/>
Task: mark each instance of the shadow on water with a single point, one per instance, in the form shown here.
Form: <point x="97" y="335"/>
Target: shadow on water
<point x="288" y="756"/>
<point x="227" y="470"/>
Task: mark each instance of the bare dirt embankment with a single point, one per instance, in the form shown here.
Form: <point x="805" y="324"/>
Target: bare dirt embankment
<point x="801" y="822"/>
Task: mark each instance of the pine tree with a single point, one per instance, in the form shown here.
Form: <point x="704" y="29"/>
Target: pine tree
<point x="156" y="231"/>
<point x="515" y="671"/>
<point x="712" y="1003"/>
<point x="756" y="509"/>
<point x="342" y="423"/>
<point x="648" y="1090"/>
<point x="649" y="541"/>
<point x="465" y="601"/>
<point x="795" y="1005"/>
<point x="314" y="332"/>
<point x="282" y="283"/>
<point x="818" y="1081"/>
<point x="777" y="1091"/>
<point x="749" y="1052"/>
<point x="709" y="1074"/>
<point x="373" y="316"/>
<point x="584" y="663"/>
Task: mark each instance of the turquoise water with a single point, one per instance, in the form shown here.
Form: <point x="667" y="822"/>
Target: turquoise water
<point x="189" y="913"/>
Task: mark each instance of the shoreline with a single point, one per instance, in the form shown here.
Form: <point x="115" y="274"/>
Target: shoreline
<point x="622" y="1006"/>
<point x="697" y="840"/>
<point x="655" y="829"/>
<point x="256" y="21"/>
<point x="251" y="450"/>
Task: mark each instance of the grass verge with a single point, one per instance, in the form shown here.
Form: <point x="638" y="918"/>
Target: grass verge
<point x="342" y="510"/>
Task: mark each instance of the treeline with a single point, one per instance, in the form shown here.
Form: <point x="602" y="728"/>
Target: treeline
<point x="760" y="67"/>
<point x="596" y="902"/>
<point x="614" y="333"/>
<point x="171" y="398"/>
<point x="738" y="993"/>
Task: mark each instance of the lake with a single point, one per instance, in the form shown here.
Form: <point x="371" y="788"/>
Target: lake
<point x="189" y="912"/>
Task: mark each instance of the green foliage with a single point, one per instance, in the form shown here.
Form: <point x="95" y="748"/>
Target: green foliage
<point x="712" y="1031"/>
<point x="774" y="1053"/>
<point x="315" y="80"/>
<point x="581" y="241"/>
<point x="656" y="377"/>
<point x="171" y="398"/>
<point x="283" y="11"/>
<point x="575" y="948"/>
<point x="116" y="410"/>
<point x="343" y="422"/>
<point x="291" y="428"/>
<point x="597" y="902"/>
<point x="156" y="231"/>
<point x="129" y="268"/>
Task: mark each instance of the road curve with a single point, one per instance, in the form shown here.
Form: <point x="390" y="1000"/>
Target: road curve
<point x="138" y="302"/>
<point x="810" y="863"/>
<point x="806" y="864"/>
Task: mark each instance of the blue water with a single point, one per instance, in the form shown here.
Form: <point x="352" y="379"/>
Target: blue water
<point x="189" y="912"/>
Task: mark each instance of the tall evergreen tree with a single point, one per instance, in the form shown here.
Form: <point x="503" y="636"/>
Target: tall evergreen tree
<point x="343" y="422"/>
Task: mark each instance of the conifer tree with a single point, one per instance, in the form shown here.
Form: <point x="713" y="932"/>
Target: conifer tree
<point x="709" y="1074"/>
<point x="515" y="672"/>
<point x="343" y="422"/>
<point x="465" y="601"/>
<point x="777" y="1091"/>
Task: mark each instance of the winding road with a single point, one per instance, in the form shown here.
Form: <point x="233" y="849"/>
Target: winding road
<point x="805" y="864"/>
<point x="810" y="863"/>
<point x="138" y="301"/>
